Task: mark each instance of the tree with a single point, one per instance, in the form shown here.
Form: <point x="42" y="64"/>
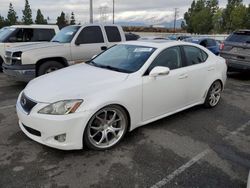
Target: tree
<point x="27" y="13"/>
<point x="2" y="22"/>
<point x="12" y="16"/>
<point x="227" y="14"/>
<point x="61" y="20"/>
<point x="40" y="18"/>
<point x="72" y="19"/>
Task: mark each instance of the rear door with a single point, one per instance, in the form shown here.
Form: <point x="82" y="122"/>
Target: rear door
<point x="88" y="43"/>
<point x="113" y="35"/>
<point x="199" y="69"/>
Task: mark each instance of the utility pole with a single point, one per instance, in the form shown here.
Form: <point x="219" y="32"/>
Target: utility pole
<point x="91" y="11"/>
<point x="113" y="11"/>
<point x="176" y="13"/>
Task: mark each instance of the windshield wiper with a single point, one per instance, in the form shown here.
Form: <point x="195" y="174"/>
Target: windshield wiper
<point x="56" y="41"/>
<point x="109" y="67"/>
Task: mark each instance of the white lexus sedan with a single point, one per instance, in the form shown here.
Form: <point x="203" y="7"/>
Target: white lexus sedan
<point x="129" y="85"/>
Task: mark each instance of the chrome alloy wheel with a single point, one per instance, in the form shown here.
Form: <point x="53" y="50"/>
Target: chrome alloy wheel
<point x="106" y="127"/>
<point x="215" y="93"/>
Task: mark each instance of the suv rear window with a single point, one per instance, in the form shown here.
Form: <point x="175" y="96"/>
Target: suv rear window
<point x="113" y="34"/>
<point x="243" y="37"/>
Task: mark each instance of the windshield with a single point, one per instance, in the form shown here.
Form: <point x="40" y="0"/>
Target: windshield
<point x="243" y="37"/>
<point x="5" y="33"/>
<point x="123" y="58"/>
<point x="66" y="34"/>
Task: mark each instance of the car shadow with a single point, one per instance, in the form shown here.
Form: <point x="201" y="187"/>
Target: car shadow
<point x="244" y="76"/>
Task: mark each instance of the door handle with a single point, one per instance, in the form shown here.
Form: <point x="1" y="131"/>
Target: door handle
<point x="211" y="69"/>
<point x="104" y="48"/>
<point x="183" y="76"/>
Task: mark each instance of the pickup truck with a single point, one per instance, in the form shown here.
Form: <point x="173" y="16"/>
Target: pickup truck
<point x="73" y="44"/>
<point x="24" y="34"/>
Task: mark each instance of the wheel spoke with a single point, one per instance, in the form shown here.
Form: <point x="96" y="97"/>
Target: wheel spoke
<point x="100" y="119"/>
<point x="96" y="128"/>
<point x="92" y="136"/>
<point x="102" y="138"/>
<point x="113" y="118"/>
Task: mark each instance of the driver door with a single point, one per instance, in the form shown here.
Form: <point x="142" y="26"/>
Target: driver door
<point x="89" y="42"/>
<point x="165" y="93"/>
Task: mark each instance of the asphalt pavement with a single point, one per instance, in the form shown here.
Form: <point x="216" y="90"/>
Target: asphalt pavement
<point x="196" y="148"/>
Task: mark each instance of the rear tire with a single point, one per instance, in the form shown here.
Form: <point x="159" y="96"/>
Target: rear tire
<point x="48" y="67"/>
<point x="106" y="128"/>
<point x="213" y="95"/>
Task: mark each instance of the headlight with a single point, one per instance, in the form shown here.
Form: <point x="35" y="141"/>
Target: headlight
<point x="61" y="107"/>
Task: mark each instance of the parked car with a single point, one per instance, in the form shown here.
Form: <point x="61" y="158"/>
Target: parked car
<point x="149" y="38"/>
<point x="182" y="37"/>
<point x="208" y="43"/>
<point x="24" y="34"/>
<point x="131" y="84"/>
<point x="72" y="45"/>
<point x="131" y="36"/>
<point x="236" y="50"/>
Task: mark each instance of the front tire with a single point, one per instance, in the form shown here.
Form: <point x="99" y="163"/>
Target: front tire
<point x="213" y="95"/>
<point x="48" y="67"/>
<point x="106" y="128"/>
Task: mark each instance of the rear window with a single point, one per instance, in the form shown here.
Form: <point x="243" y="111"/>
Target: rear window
<point x="243" y="37"/>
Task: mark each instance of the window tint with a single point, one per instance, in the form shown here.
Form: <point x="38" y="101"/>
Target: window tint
<point x="43" y="34"/>
<point x="211" y="42"/>
<point x="113" y="34"/>
<point x="194" y="55"/>
<point x="170" y="58"/>
<point x="92" y="34"/>
<point x="243" y="36"/>
<point x="204" y="43"/>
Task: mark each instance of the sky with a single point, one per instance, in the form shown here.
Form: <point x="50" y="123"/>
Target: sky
<point x="146" y="11"/>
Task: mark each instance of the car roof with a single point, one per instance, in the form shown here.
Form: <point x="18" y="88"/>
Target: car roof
<point x="160" y="44"/>
<point x="34" y="26"/>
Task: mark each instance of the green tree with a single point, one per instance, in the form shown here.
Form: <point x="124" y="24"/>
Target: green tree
<point x="12" y="16"/>
<point x="72" y="19"/>
<point x="2" y="22"/>
<point x="27" y="13"/>
<point x="61" y="20"/>
<point x="40" y="18"/>
<point x="227" y="14"/>
<point x="218" y="21"/>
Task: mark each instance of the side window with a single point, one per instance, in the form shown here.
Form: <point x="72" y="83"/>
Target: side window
<point x="43" y="34"/>
<point x="204" y="43"/>
<point x="170" y="57"/>
<point x="210" y="43"/>
<point x="91" y="34"/>
<point x="113" y="34"/>
<point x="28" y="35"/>
<point x="194" y="55"/>
<point x="17" y="37"/>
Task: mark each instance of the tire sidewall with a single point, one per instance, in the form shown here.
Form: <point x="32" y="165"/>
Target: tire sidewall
<point x="46" y="65"/>
<point x="86" y="141"/>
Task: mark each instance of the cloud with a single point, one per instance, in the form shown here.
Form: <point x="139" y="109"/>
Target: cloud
<point x="126" y="10"/>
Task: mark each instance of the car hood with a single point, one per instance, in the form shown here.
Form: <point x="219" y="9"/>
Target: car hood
<point x="75" y="82"/>
<point x="34" y="46"/>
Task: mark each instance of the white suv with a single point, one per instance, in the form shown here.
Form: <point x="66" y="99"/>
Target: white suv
<point x="24" y="34"/>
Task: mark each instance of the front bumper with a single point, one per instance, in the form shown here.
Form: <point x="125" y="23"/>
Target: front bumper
<point x="22" y="73"/>
<point x="50" y="126"/>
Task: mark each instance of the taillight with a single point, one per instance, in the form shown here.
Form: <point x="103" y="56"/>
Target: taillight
<point x="222" y="45"/>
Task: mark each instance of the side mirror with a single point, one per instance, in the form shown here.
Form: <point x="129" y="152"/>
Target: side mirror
<point x="158" y="71"/>
<point x="77" y="43"/>
<point x="94" y="57"/>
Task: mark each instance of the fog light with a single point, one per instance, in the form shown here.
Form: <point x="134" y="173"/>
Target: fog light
<point x="60" y="138"/>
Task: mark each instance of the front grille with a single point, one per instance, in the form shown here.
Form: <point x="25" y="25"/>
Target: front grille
<point x="27" y="103"/>
<point x="32" y="131"/>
